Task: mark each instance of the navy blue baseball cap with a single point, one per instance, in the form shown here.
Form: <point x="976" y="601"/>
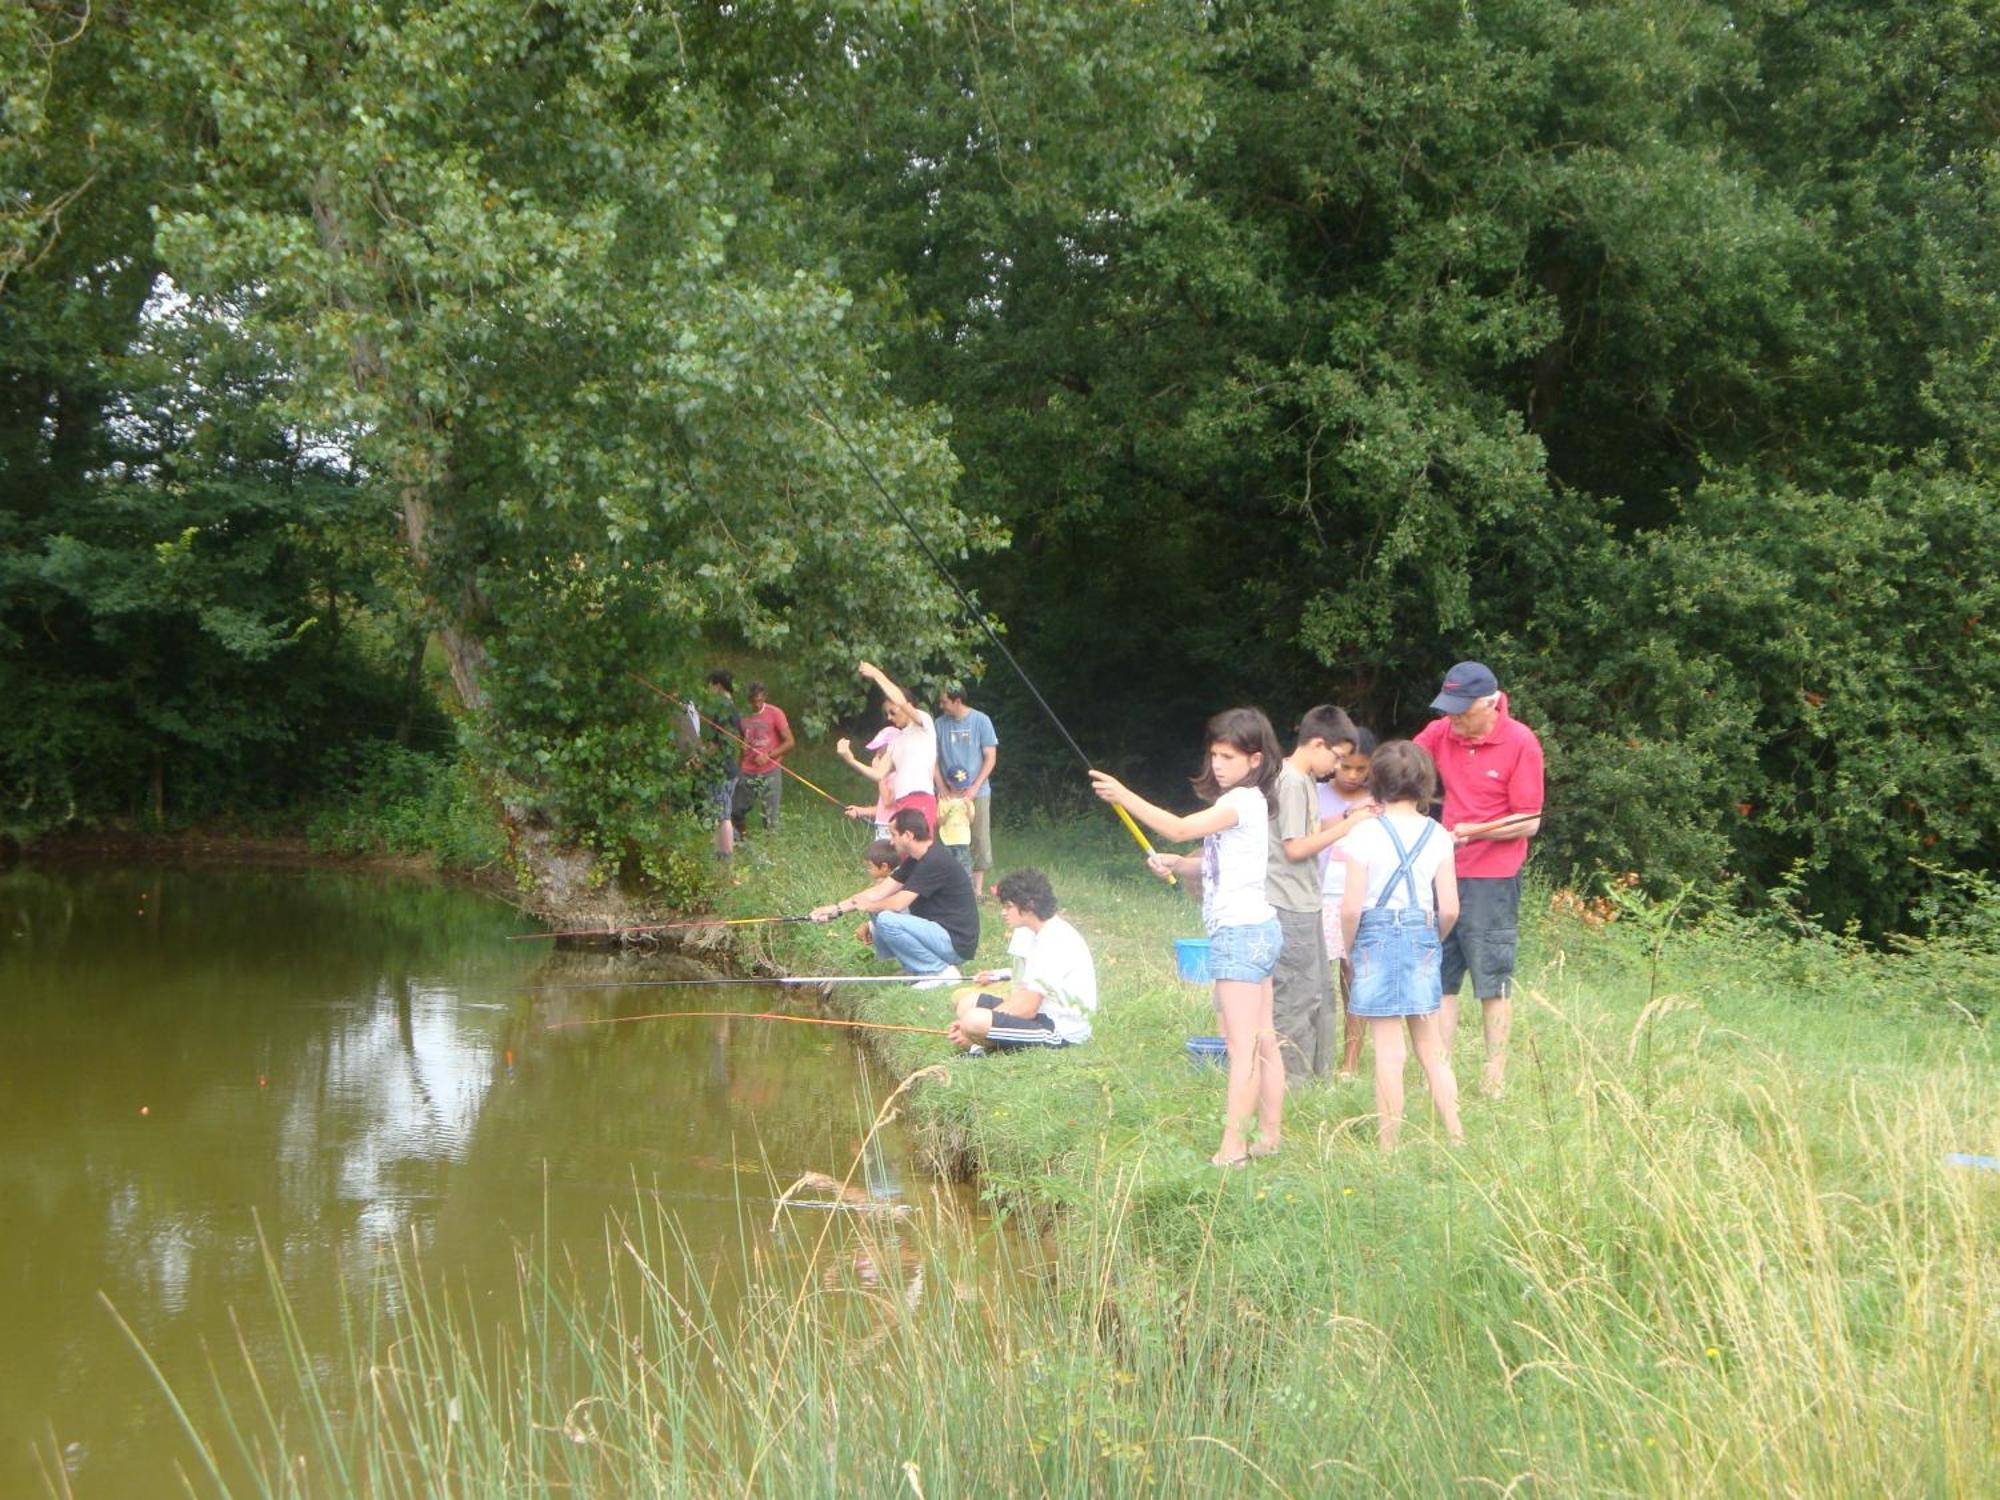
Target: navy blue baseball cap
<point x="1464" y="685"/>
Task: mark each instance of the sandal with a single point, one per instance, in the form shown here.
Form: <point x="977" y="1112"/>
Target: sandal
<point x="1228" y="1162"/>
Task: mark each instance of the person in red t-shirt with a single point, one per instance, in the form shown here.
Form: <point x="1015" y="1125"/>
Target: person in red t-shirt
<point x="767" y="739"/>
<point x="1491" y="767"/>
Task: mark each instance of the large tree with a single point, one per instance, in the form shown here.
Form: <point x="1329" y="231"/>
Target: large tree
<point x="612" y="395"/>
<point x="171" y="635"/>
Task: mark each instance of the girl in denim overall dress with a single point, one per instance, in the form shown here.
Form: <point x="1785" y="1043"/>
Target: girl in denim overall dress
<point x="1243" y="933"/>
<point x="1401" y="899"/>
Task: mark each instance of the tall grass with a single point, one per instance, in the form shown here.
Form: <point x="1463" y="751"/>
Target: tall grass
<point x="1707" y="1244"/>
<point x="1737" y="1293"/>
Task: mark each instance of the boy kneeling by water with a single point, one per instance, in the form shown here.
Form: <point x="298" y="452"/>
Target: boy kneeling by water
<point x="1055" y="982"/>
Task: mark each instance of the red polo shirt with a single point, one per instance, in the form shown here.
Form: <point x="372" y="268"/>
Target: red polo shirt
<point x="1486" y="779"/>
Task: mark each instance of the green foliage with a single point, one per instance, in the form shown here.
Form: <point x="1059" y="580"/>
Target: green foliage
<point x="1801" y="684"/>
<point x="1631" y="353"/>
<point x="1272" y="352"/>
<point x="579" y="355"/>
<point x="379" y="798"/>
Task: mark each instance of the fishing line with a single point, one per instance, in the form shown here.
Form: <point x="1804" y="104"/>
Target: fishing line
<point x="522" y="937"/>
<point x="977" y="615"/>
<point x="722" y="980"/>
<point x="747" y="1015"/>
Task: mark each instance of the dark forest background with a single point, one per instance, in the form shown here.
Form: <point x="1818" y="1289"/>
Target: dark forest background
<point x="1272" y="352"/>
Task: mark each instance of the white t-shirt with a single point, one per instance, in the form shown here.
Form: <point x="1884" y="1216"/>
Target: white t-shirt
<point x="1055" y="963"/>
<point x="1233" y="864"/>
<point x="1332" y="867"/>
<point x="1369" y="844"/>
<point x="913" y="758"/>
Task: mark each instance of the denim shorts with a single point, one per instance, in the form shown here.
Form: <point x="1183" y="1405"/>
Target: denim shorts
<point x="1396" y="957"/>
<point x="1248" y="953"/>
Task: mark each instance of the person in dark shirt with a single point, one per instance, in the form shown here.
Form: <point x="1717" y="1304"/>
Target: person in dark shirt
<point x="925" y="914"/>
<point x="720" y="755"/>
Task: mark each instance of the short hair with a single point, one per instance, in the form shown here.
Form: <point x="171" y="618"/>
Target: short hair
<point x="721" y="678"/>
<point x="1030" y="891"/>
<point x="1491" y="700"/>
<point x="911" y="820"/>
<point x="881" y="852"/>
<point x="1401" y="772"/>
<point x="1248" y="731"/>
<point x="1365" y="740"/>
<point x="756" y="690"/>
<point x="1325" y="722"/>
<point x="952" y="689"/>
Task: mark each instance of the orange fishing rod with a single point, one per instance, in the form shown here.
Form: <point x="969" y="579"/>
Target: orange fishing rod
<point x="517" y="937"/>
<point x="746" y="1015"/>
<point x="729" y="735"/>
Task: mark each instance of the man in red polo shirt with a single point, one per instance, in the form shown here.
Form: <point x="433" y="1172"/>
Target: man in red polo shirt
<point x="1491" y="767"/>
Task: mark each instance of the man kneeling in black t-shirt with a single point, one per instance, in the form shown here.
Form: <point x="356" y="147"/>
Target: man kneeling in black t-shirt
<point x="926" y="916"/>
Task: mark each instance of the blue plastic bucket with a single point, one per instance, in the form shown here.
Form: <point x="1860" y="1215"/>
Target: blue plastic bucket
<point x="1191" y="959"/>
<point x="1207" y="1051"/>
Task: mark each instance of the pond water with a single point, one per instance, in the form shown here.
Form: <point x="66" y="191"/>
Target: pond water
<point x="341" y="1063"/>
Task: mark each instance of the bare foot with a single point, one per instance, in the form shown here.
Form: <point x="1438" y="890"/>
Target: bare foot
<point x="1219" y="1160"/>
<point x="1492" y="1084"/>
<point x="1265" y="1148"/>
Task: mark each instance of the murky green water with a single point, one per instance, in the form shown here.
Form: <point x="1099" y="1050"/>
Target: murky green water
<point x="343" y="1062"/>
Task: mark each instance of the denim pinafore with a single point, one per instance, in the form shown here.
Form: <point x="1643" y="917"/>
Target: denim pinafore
<point x="1396" y="949"/>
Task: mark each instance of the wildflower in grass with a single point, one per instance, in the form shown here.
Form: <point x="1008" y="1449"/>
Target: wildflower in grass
<point x="1347" y="1192"/>
<point x="1712" y="1352"/>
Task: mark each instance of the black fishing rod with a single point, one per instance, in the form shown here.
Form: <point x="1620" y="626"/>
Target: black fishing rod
<point x="977" y="615"/>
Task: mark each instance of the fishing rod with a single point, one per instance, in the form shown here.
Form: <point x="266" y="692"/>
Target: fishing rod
<point x="1499" y="823"/>
<point x="720" y="980"/>
<point x="747" y="1015"/>
<point x="521" y="937"/>
<point x="977" y="615"/>
<point x="731" y="735"/>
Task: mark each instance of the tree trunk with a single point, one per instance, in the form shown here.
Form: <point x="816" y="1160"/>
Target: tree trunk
<point x="562" y="877"/>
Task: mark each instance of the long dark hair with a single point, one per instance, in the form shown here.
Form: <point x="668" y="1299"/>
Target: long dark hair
<point x="1247" y="730"/>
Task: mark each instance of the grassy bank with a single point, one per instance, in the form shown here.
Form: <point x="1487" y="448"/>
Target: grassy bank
<point x="1706" y="1244"/>
<point x="1708" y="1240"/>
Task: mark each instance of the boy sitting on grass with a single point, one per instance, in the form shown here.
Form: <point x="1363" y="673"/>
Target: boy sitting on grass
<point x="1055" y="990"/>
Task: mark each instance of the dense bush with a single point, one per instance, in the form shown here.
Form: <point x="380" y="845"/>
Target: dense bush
<point x="381" y="798"/>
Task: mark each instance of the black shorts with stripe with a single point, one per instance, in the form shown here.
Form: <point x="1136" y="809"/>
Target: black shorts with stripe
<point x="1018" y="1031"/>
